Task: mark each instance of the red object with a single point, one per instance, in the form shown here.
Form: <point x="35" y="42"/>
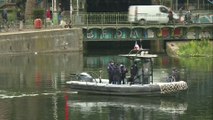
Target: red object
<point x="48" y="14"/>
<point x="66" y="107"/>
<point x="38" y="23"/>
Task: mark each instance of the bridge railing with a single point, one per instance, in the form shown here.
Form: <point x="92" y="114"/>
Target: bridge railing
<point x="118" y="19"/>
<point x="100" y="19"/>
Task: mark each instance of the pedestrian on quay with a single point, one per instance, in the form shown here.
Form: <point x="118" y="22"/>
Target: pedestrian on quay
<point x="4" y="15"/>
<point x="20" y="18"/>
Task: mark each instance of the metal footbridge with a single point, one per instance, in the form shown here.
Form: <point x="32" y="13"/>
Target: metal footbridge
<point x="114" y="27"/>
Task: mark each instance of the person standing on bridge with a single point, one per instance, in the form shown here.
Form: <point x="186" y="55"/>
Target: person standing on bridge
<point x="170" y="16"/>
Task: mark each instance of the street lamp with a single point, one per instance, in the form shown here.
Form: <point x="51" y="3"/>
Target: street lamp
<point x="55" y="15"/>
<point x="71" y="10"/>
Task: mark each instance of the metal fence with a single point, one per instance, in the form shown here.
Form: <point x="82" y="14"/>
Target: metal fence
<point x="104" y="19"/>
<point x="100" y="19"/>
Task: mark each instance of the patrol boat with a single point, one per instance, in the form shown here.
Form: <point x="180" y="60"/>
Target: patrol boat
<point x="143" y="84"/>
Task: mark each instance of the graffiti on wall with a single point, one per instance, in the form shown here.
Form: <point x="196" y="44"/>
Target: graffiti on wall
<point x="182" y="32"/>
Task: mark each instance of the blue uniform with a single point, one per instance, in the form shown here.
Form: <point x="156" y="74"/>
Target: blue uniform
<point x="110" y="70"/>
<point x="133" y="72"/>
<point x="123" y="73"/>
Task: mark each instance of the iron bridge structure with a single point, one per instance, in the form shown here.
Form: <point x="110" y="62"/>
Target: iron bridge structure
<point x="115" y="27"/>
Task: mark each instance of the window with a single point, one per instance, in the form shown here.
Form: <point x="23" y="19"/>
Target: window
<point x="164" y="10"/>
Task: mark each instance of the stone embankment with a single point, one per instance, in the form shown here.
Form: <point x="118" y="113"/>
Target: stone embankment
<point x="172" y="48"/>
<point x="41" y="41"/>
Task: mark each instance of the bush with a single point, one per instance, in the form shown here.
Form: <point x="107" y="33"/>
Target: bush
<point x="196" y="48"/>
<point x="38" y="13"/>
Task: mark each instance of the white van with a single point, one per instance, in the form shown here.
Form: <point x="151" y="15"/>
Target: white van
<point x="149" y="13"/>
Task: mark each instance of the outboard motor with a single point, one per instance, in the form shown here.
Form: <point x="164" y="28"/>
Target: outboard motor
<point x="85" y="77"/>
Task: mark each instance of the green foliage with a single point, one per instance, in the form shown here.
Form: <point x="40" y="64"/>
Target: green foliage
<point x="11" y="14"/>
<point x="38" y="13"/>
<point x="196" y="48"/>
<point x="197" y="63"/>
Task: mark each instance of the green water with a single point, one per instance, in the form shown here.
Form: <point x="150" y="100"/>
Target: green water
<point x="32" y="87"/>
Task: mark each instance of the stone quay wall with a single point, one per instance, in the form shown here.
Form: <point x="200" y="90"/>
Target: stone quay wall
<point x="41" y="41"/>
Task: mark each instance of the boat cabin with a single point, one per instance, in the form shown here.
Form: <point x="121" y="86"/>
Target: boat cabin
<point x="145" y="72"/>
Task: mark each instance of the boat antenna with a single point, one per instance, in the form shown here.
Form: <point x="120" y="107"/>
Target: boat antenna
<point x="136" y="47"/>
<point x="141" y="44"/>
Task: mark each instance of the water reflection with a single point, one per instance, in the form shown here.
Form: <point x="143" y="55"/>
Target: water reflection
<point x="41" y="72"/>
<point x="124" y="108"/>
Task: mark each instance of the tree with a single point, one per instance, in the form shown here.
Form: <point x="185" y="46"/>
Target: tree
<point x="30" y="4"/>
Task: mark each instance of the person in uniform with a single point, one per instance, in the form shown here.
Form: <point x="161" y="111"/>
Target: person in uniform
<point x="116" y="75"/>
<point x="133" y="72"/>
<point x="110" y="70"/>
<point x="123" y="70"/>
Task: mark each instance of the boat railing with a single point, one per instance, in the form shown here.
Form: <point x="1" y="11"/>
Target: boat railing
<point x="95" y="76"/>
<point x="138" y="52"/>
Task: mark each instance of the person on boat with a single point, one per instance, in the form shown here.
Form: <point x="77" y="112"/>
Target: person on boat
<point x="133" y="72"/>
<point x="146" y="71"/>
<point x="116" y="75"/>
<point x="123" y="70"/>
<point x="110" y="70"/>
<point x="175" y="74"/>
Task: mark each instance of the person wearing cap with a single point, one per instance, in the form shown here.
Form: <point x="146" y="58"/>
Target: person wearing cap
<point x="110" y="70"/>
<point x="116" y="75"/>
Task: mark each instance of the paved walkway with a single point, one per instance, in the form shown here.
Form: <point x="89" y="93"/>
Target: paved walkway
<point x="30" y="29"/>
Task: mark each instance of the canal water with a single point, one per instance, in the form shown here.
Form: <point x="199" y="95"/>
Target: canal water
<point x="32" y="87"/>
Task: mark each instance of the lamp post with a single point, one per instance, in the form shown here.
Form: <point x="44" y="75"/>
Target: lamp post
<point x="55" y="14"/>
<point x="45" y="16"/>
<point x="77" y="4"/>
<point x="71" y="10"/>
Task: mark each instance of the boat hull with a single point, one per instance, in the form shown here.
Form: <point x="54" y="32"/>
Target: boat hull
<point x="156" y="89"/>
